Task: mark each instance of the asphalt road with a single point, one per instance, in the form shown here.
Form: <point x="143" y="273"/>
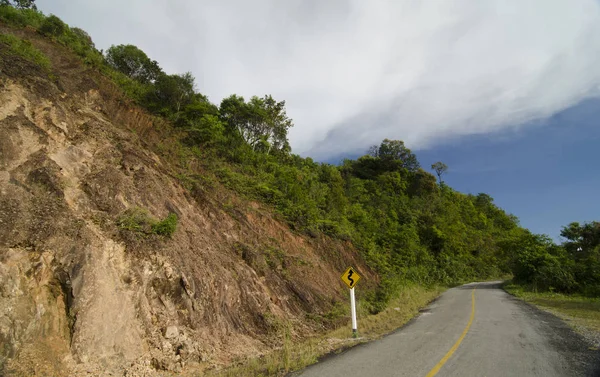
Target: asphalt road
<point x="473" y="330"/>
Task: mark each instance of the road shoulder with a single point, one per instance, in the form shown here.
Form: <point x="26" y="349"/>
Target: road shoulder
<point x="571" y="334"/>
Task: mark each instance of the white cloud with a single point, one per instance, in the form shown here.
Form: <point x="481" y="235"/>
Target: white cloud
<point x="355" y="72"/>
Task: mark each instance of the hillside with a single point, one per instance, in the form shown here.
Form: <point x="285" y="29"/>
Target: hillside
<point x="87" y="285"/>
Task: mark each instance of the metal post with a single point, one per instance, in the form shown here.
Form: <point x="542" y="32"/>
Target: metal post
<point x="353" y="311"/>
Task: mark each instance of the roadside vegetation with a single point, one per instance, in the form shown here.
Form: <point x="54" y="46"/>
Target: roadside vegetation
<point x="293" y="355"/>
<point x="573" y="267"/>
<point x="563" y="279"/>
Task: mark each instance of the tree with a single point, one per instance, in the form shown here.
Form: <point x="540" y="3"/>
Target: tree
<point x="581" y="239"/>
<point x="583" y="247"/>
<point x="439" y="168"/>
<point x="134" y="63"/>
<point x="394" y="152"/>
<point x="171" y="94"/>
<point x="20" y="4"/>
<point x="422" y="184"/>
<point x="261" y="122"/>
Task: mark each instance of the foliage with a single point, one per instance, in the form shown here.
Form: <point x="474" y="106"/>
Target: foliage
<point x="571" y="267"/>
<point x="25" y="49"/>
<point x="19" y="4"/>
<point x="166" y="227"/>
<point x="440" y="168"/>
<point x="582" y="247"/>
<point x="133" y="63"/>
<point x="394" y="154"/>
<point x="261" y="123"/>
<point x="138" y="221"/>
<point x="53" y="26"/>
<point x="170" y="94"/>
<point x="20" y="17"/>
<point x="538" y="262"/>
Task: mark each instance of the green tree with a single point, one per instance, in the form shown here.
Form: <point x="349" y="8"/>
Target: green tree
<point x="171" y="94"/>
<point x="394" y="153"/>
<point x="19" y="4"/>
<point x="582" y="243"/>
<point x="422" y="184"/>
<point x="439" y="168"/>
<point x="262" y="122"/>
<point x="134" y="63"/>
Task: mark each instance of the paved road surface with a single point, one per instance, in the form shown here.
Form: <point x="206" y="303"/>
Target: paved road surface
<point x="502" y="336"/>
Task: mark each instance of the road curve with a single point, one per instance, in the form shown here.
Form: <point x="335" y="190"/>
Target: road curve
<point x="473" y="330"/>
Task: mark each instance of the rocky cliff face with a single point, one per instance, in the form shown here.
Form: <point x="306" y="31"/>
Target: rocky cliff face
<point x="80" y="294"/>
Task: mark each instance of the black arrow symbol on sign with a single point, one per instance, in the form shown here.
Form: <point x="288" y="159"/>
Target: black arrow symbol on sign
<point x="350" y="277"/>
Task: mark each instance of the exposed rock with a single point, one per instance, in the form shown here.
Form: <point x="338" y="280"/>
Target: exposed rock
<point x="171" y="332"/>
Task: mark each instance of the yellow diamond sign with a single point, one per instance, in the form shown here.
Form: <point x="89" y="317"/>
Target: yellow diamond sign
<point x="350" y="277"/>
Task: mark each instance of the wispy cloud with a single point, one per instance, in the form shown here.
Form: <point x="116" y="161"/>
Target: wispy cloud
<point x="355" y="72"/>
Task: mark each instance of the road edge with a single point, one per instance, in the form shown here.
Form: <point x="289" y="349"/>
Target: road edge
<point x="363" y="342"/>
<point x="586" y="357"/>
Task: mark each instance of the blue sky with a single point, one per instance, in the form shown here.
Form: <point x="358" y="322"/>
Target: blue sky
<point x="547" y="174"/>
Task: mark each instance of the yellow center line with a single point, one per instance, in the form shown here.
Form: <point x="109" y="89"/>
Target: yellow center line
<point x="446" y="357"/>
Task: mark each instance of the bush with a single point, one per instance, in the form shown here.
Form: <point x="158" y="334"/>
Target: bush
<point x="21" y="17"/>
<point x="132" y="88"/>
<point x="81" y="43"/>
<point x="53" y="26"/>
<point x="166" y="227"/>
<point x="138" y="221"/>
<point x="83" y="37"/>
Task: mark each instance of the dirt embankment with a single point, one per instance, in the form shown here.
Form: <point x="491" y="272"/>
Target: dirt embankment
<point x="79" y="296"/>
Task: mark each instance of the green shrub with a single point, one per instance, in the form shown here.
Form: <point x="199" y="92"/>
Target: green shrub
<point x="132" y="88"/>
<point x="166" y="227"/>
<point x="53" y="26"/>
<point x="83" y="37"/>
<point x="21" y="17"/>
<point x="26" y="50"/>
<point x="136" y="220"/>
<point x="139" y="221"/>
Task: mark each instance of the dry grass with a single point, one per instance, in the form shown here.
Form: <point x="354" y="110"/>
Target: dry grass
<point x="579" y="310"/>
<point x="297" y="355"/>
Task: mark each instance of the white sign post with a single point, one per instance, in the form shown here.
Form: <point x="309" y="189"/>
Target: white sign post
<point x="353" y="311"/>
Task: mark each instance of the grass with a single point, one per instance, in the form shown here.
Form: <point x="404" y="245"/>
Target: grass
<point x="139" y="221"/>
<point x="294" y="355"/>
<point x="576" y="309"/>
<point x="26" y="50"/>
